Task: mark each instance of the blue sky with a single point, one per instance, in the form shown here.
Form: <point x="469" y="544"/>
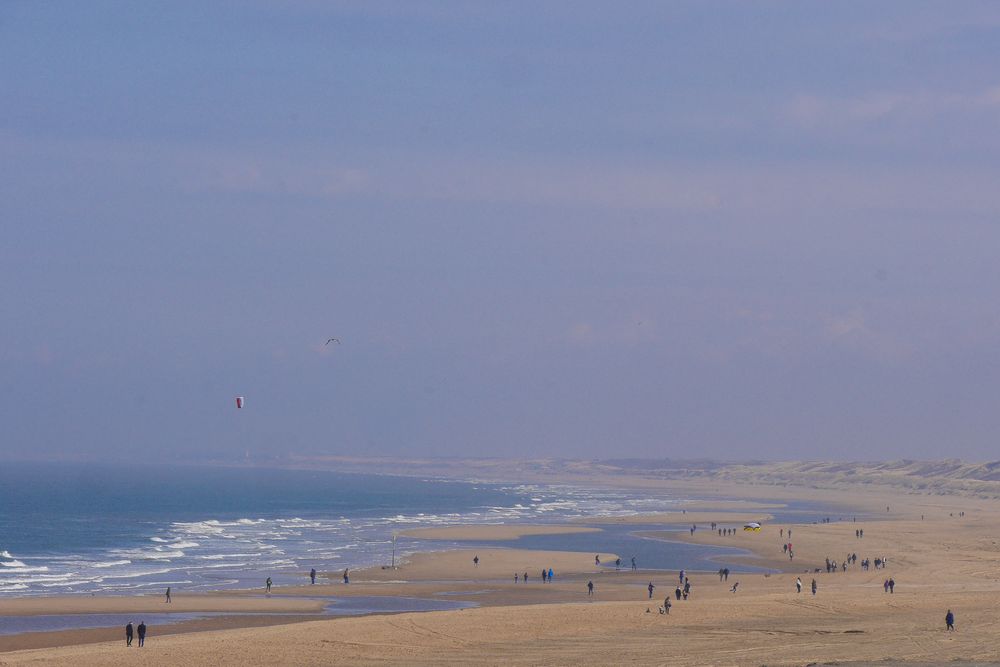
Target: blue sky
<point x="740" y="230"/>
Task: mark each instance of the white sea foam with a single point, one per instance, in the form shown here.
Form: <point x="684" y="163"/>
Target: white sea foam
<point x="13" y="563"/>
<point x="181" y="544"/>
<point x="138" y="573"/>
<point x="111" y="563"/>
<point x="4" y="588"/>
<point x="25" y="570"/>
<point x="143" y="554"/>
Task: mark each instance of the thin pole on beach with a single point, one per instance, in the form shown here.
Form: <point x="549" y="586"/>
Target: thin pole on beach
<point x="394" y="551"/>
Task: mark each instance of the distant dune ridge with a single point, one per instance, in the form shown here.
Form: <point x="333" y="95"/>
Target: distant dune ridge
<point x="946" y="476"/>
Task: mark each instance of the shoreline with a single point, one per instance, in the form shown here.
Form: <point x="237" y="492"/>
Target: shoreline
<point x="423" y="574"/>
<point x="849" y="620"/>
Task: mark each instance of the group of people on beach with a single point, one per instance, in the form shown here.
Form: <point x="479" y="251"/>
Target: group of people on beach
<point x="722" y="531"/>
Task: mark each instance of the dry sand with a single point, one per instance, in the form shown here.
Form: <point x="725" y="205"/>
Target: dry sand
<point x="940" y="562"/>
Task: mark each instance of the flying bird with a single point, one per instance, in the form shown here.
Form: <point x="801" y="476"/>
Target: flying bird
<point x="333" y="340"/>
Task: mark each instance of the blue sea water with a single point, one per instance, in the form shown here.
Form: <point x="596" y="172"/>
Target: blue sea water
<point x="124" y="529"/>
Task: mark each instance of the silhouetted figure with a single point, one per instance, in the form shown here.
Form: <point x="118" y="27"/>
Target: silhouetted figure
<point x="347" y="576"/>
<point x="949" y="620"/>
<point x="312" y="575"/>
<point x="651" y="587"/>
<point x="142" y="633"/>
<point x="168" y="594"/>
<point x="267" y="585"/>
<point x="814" y="587"/>
<point x="128" y="633"/>
<point x="590" y="588"/>
<point x="475" y="561"/>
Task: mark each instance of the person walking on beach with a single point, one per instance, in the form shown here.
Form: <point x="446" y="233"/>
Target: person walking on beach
<point x="597" y="560"/>
<point x="525" y="577"/>
<point x="677" y="592"/>
<point x="516" y="577"/>
<point x="892" y="584"/>
<point x="680" y="577"/>
<point x="725" y="573"/>
<point x="798" y="585"/>
<point x="168" y="594"/>
<point x="814" y="587"/>
<point x="666" y="605"/>
<point x="267" y="585"/>
<point x="475" y="561"/>
<point x="347" y="576"/>
<point x="735" y="586"/>
<point x="312" y="575"/>
<point x="590" y="588"/>
<point x="545" y="576"/>
<point x="949" y="620"/>
<point x="551" y="574"/>
<point x="142" y="633"/>
<point x="128" y="633"/>
<point x="634" y="568"/>
<point x="651" y="587"/>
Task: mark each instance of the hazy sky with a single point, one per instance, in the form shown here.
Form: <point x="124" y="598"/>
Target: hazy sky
<point x="539" y="229"/>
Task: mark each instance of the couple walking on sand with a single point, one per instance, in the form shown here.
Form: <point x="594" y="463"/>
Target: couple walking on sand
<point x="141" y="631"/>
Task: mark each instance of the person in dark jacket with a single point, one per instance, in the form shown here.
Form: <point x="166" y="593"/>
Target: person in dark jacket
<point x="128" y="633"/>
<point x="949" y="620"/>
<point x="142" y="633"/>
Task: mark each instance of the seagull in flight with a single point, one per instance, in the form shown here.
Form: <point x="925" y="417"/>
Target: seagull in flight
<point x="333" y="340"/>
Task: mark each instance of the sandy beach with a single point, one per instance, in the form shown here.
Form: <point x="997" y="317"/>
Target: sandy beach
<point x="943" y="561"/>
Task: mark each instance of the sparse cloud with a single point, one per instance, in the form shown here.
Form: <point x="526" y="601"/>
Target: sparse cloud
<point x="852" y="330"/>
<point x="818" y="110"/>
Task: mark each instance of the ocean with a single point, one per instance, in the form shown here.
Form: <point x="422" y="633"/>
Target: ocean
<point x="80" y="528"/>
